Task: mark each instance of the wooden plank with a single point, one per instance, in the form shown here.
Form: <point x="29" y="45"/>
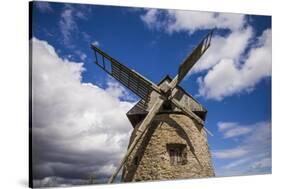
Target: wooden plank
<point x="188" y="112"/>
<point x="129" y="78"/>
<point x="141" y="130"/>
<point x="190" y="61"/>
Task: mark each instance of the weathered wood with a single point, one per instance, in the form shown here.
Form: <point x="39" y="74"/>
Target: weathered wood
<point x="188" y="112"/>
<point x="192" y="115"/>
<point x="131" y="79"/>
<point x="141" y="130"/>
<point x="190" y="61"/>
<point x="209" y="132"/>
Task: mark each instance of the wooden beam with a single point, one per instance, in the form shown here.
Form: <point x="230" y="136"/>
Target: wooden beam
<point x="191" y="60"/>
<point x="141" y="130"/>
<point x="188" y="112"/>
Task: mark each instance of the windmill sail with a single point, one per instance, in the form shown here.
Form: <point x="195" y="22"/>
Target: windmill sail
<point x="189" y="62"/>
<point x="139" y="85"/>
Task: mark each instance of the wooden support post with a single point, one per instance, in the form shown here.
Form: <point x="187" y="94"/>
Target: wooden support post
<point x="142" y="128"/>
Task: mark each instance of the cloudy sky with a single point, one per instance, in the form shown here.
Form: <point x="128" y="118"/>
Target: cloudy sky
<point x="79" y="124"/>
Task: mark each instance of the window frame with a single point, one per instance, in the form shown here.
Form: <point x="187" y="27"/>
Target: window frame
<point x="177" y="154"/>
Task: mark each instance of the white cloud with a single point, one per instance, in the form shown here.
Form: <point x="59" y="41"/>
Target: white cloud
<point x="77" y="128"/>
<point x="86" y="36"/>
<point x="68" y="22"/>
<point x="251" y="156"/>
<point x="230" y="129"/>
<point x="190" y="21"/>
<point x="230" y="47"/>
<point x="150" y="18"/>
<point x="96" y="43"/>
<point x="195" y="20"/>
<point x="252" y="164"/>
<point x="58" y="182"/>
<point x="222" y="126"/>
<point x="230" y="154"/>
<point x="237" y="132"/>
<point x="81" y="55"/>
<point x="117" y="90"/>
<point x="229" y="77"/>
<point x="231" y="69"/>
<point x="43" y="6"/>
<point x="258" y="138"/>
<point x="83" y="11"/>
<point x="237" y="163"/>
<point x="263" y="163"/>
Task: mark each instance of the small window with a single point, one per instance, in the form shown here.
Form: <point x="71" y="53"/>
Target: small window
<point x="177" y="154"/>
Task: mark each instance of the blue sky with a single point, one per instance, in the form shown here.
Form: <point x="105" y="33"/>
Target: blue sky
<point x="232" y="80"/>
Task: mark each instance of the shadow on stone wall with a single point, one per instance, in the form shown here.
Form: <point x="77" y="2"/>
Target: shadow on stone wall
<point x="132" y="167"/>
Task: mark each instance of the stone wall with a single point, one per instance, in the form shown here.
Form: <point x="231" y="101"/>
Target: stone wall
<point x="150" y="160"/>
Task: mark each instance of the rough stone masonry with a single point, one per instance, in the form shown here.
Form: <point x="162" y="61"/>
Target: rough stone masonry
<point x="173" y="147"/>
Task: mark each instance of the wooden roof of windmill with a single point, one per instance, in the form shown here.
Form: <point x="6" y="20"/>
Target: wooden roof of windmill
<point x="139" y="111"/>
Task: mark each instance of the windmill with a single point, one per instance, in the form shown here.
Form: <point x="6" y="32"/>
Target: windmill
<point x="170" y="110"/>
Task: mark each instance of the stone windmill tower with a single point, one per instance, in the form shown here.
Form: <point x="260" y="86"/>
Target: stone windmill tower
<point x="169" y="140"/>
